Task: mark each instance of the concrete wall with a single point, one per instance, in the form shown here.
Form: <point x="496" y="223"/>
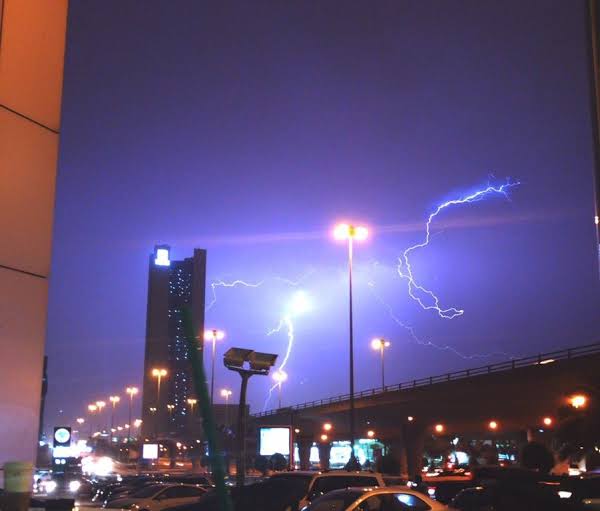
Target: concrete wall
<point x="32" y="44"/>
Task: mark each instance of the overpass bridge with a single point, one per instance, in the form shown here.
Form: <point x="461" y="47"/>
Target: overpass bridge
<point x="519" y="395"/>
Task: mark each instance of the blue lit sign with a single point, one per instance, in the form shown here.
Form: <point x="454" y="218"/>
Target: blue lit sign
<point x="161" y="257"/>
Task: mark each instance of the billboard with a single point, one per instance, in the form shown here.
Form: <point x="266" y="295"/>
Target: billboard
<point x="150" y="451"/>
<point x="272" y="440"/>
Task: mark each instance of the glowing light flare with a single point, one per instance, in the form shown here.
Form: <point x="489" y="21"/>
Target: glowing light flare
<point x="280" y="376"/>
<point x="410" y="418"/>
<point x="493" y="425"/>
<point x="423" y="296"/>
<point x="578" y="401"/>
<point x="214" y="334"/>
<point x="327" y="426"/>
<point x="371" y="433"/>
<point x="159" y="373"/>
<point x="226" y="393"/>
<point x="132" y="391"/>
<point x="439" y="428"/>
<point x="92" y="408"/>
<point x="300" y="303"/>
<point x="100" y="405"/>
<point x="378" y="344"/>
<point x="347" y="231"/>
<point x="324" y="437"/>
<point x="547" y="421"/>
<point x="114" y="399"/>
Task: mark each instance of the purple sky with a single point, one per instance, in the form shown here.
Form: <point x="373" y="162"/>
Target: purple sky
<point x="249" y="128"/>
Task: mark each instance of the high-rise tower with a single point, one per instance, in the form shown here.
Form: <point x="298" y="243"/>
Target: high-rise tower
<point x="167" y="388"/>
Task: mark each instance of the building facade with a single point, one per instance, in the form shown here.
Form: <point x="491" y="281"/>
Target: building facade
<point x="167" y="389"/>
<point x="32" y="47"/>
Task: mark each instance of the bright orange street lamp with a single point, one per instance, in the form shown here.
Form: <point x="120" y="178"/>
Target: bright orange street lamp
<point x="348" y="232"/>
<point x="192" y="402"/>
<point x="214" y="335"/>
<point x="159" y="374"/>
<point x="131" y="391"/>
<point x="114" y="400"/>
<point x="380" y="345"/>
<point x="578" y="400"/>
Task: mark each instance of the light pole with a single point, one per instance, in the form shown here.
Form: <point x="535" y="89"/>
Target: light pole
<point x="114" y="400"/>
<point x="159" y="374"/>
<point x="214" y="335"/>
<point x="92" y="408"/>
<point x="279" y="376"/>
<point x="226" y="393"/>
<point x="192" y="402"/>
<point x="132" y="391"/>
<point x="380" y="345"/>
<point x="170" y="408"/>
<point x="100" y="405"/>
<point x="351" y="233"/>
<point x="246" y="363"/>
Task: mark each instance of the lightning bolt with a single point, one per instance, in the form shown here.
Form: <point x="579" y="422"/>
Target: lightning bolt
<point x="285" y="321"/>
<point x="423" y="296"/>
<point x="421" y="342"/>
<point x="242" y="283"/>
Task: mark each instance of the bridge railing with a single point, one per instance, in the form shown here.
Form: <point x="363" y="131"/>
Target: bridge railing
<point x="508" y="365"/>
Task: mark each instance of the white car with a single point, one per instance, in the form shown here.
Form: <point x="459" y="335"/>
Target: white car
<point x="315" y="484"/>
<point x="390" y="498"/>
<point x="158" y="496"/>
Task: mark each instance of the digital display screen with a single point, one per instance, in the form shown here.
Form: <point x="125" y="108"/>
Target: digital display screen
<point x="272" y="440"/>
<point x="150" y="451"/>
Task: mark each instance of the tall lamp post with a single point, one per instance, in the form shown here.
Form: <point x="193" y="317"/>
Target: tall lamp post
<point x="132" y="391"/>
<point x="380" y="345"/>
<point x="92" y="408"/>
<point x="158" y="373"/>
<point x="113" y="400"/>
<point x="100" y="405"/>
<point x="226" y="393"/>
<point x="246" y="363"/>
<point x="192" y="402"/>
<point x="279" y="376"/>
<point x="350" y="233"/>
<point x="214" y="335"/>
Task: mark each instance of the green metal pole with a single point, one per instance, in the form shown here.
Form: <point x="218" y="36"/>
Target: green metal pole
<point x="208" y="421"/>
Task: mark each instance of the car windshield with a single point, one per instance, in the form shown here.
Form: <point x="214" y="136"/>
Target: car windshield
<point x="147" y="491"/>
<point x="335" y="501"/>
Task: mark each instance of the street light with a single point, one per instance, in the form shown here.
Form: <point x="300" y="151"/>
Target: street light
<point x="380" y="345"/>
<point x="214" y="335"/>
<point x="170" y="408"/>
<point x="92" y="408"/>
<point x="547" y="421"/>
<point x="350" y="233"/>
<point x="114" y="400"/>
<point x="439" y="428"/>
<point x="327" y="426"/>
<point x="279" y="376"/>
<point x="493" y="425"/>
<point x="192" y="402"/>
<point x="246" y="363"/>
<point x="159" y="374"/>
<point x="100" y="405"/>
<point x="578" y="400"/>
<point x="226" y="393"/>
<point x="132" y="391"/>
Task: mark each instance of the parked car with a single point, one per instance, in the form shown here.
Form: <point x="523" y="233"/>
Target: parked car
<point x="391" y="498"/>
<point x="316" y="484"/>
<point x="158" y="497"/>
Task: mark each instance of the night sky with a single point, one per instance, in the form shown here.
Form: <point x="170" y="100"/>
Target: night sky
<point x="250" y="128"/>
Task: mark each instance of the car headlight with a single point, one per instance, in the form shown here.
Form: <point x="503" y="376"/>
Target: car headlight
<point x="74" y="486"/>
<point x="50" y="486"/>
